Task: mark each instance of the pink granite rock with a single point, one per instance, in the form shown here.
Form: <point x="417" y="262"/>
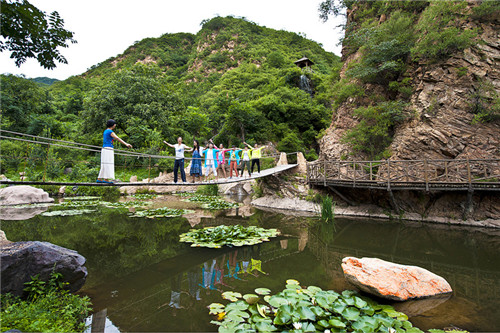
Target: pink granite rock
<point x="393" y="281"/>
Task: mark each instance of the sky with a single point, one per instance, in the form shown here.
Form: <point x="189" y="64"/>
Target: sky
<point x="106" y="28"/>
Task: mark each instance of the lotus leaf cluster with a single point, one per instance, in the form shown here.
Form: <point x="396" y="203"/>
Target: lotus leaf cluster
<point x="128" y="204"/>
<point x="68" y="212"/>
<point x="311" y="309"/>
<point x="144" y="196"/>
<point x="210" y="201"/>
<point x="236" y="235"/>
<point x="161" y="212"/>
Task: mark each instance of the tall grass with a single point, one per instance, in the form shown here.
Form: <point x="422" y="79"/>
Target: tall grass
<point x="327" y="209"/>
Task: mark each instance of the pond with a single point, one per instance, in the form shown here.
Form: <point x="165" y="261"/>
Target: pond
<point x="142" y="279"/>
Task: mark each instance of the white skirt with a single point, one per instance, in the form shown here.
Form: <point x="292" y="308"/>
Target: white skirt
<point x="107" y="164"/>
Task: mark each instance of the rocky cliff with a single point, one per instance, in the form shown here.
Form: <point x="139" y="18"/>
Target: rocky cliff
<point x="452" y="104"/>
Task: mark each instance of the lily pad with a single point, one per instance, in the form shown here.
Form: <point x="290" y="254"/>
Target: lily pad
<point x="251" y="298"/>
<point x="231" y="296"/>
<point x="68" y="212"/>
<point x="263" y="291"/>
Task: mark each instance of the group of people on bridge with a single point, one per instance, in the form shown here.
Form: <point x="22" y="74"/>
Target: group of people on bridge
<point x="214" y="157"/>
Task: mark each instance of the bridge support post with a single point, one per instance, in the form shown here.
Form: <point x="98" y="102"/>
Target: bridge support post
<point x="393" y="202"/>
<point x="469" y="205"/>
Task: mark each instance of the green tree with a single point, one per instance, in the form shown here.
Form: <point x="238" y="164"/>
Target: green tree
<point x="138" y="97"/>
<point x="27" y="32"/>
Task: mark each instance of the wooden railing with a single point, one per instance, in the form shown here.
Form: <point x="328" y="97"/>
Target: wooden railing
<point x="464" y="174"/>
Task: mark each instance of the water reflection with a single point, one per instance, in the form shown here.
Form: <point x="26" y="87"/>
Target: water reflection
<point x="142" y="279"/>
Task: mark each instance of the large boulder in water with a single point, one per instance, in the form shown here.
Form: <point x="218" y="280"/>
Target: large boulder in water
<point x="393" y="281"/>
<point x="22" y="260"/>
<point x="23" y="194"/>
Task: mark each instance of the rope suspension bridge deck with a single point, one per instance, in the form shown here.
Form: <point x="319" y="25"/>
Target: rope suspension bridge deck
<point x="263" y="173"/>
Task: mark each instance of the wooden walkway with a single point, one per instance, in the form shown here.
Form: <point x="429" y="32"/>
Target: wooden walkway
<point x="263" y="173"/>
<point x="428" y="175"/>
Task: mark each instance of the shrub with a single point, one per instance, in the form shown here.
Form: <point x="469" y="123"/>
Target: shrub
<point x="374" y="131"/>
<point x="440" y="30"/>
<point x="211" y="189"/>
<point x="327" y="209"/>
<point x="48" y="308"/>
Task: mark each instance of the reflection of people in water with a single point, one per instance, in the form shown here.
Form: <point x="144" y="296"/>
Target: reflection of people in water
<point x="219" y="273"/>
<point x="208" y="275"/>
<point x="233" y="267"/>
<point x="193" y="280"/>
<point x="175" y="294"/>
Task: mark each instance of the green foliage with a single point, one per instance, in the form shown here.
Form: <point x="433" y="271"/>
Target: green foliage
<point x="343" y="90"/>
<point x="48" y="308"/>
<point x="487" y="11"/>
<point x="373" y="133"/>
<point x="211" y="189"/>
<point x="311" y="309"/>
<point x="160" y="212"/>
<point x="385" y="48"/>
<point x="327" y="209"/>
<point x="28" y="32"/>
<point x="485" y="102"/>
<point x="441" y="31"/>
<point x="236" y="235"/>
<point x="213" y="202"/>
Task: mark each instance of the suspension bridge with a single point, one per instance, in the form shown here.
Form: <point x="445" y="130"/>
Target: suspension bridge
<point x="33" y="154"/>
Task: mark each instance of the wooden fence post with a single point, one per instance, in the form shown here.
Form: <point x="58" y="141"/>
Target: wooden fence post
<point x="388" y="175"/>
<point x="426" y="176"/>
<point x="469" y="176"/>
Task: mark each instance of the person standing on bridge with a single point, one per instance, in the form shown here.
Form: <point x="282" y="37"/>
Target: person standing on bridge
<point x="196" y="162"/>
<point x="210" y="159"/>
<point x="234" y="161"/>
<point x="245" y="157"/>
<point x="107" y="172"/>
<point x="221" y="161"/>
<point x="256" y="153"/>
<point x="179" y="158"/>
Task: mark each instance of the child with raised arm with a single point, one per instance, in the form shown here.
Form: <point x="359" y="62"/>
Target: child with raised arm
<point x="179" y="157"/>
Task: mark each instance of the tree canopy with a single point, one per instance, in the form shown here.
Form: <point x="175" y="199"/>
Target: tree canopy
<point x="27" y="32"/>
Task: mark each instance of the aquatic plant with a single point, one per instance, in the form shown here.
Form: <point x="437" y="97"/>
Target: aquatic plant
<point x="161" y="212"/>
<point x="143" y="196"/>
<point x="128" y="204"/>
<point x="235" y="235"/>
<point x="68" y="212"/>
<point x="327" y="209"/>
<point x="311" y="309"/>
<point x="80" y="203"/>
<point x="210" y="201"/>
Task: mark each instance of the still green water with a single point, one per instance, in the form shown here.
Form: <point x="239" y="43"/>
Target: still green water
<point x="141" y="279"/>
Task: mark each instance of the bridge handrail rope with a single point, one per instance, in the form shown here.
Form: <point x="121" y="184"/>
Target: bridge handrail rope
<point x="98" y="148"/>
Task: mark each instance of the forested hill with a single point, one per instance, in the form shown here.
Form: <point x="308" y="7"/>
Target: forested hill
<point x="232" y="81"/>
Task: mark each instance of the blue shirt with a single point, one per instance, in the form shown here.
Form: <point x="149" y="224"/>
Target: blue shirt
<point x="107" y="140"/>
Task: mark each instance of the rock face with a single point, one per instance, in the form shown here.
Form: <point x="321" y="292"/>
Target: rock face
<point x="23" y="194"/>
<point x="393" y="281"/>
<point x="21" y="260"/>
<point x="443" y="101"/>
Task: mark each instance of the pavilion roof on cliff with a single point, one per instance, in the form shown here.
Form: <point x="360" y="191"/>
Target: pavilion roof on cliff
<point x="304" y="62"/>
